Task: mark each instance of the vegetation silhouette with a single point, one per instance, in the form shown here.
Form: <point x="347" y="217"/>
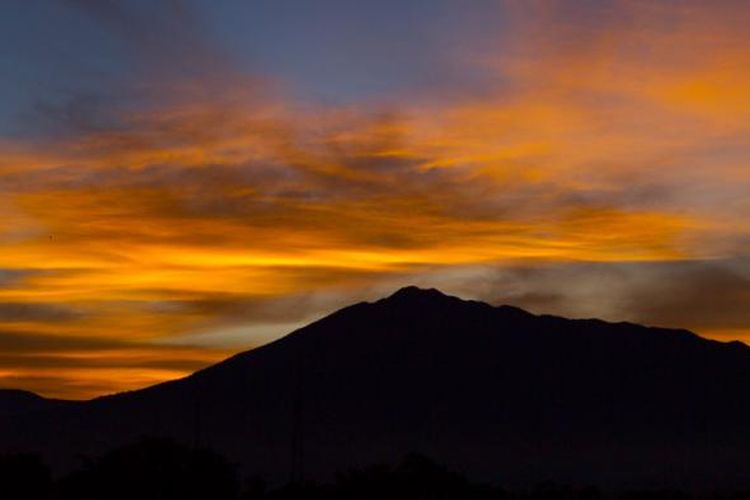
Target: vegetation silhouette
<point x="153" y="469"/>
<point x="160" y="469"/>
<point x="24" y="476"/>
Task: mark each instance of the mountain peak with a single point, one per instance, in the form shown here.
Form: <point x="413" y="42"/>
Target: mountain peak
<point x="19" y="394"/>
<point x="415" y="295"/>
<point x="457" y="378"/>
<point x="16" y="401"/>
<point x="412" y="291"/>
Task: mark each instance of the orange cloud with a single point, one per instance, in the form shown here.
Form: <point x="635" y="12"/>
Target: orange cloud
<point x="625" y="145"/>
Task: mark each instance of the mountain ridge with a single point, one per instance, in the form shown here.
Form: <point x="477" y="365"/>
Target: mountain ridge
<point x="19" y="401"/>
<point x="428" y="296"/>
<point x="496" y="392"/>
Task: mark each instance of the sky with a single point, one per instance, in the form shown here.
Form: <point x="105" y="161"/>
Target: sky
<point x="181" y="180"/>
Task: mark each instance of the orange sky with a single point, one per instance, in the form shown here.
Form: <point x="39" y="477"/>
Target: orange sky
<point x="598" y="165"/>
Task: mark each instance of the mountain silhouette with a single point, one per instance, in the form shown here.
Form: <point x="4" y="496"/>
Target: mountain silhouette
<point x="14" y="402"/>
<point x="497" y="393"/>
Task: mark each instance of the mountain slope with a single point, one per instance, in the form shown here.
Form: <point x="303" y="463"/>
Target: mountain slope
<point x="493" y="391"/>
<point x="16" y="402"/>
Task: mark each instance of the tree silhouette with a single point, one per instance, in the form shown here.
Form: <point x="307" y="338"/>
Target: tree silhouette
<point x="24" y="477"/>
<point x="153" y="469"/>
<point x="161" y="469"/>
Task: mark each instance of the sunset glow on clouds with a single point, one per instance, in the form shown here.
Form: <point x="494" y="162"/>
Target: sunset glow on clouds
<point x="191" y="206"/>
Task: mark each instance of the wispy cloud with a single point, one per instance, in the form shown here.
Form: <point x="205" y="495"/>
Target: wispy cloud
<point x="197" y="198"/>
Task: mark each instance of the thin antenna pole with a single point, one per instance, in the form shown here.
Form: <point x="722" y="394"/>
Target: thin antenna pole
<point x="196" y="413"/>
<point x="297" y="452"/>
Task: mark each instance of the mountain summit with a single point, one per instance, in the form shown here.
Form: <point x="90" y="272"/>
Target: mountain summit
<point x="416" y="294"/>
<point x="496" y="392"/>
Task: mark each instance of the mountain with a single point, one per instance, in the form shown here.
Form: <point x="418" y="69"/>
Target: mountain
<point x="495" y="392"/>
<point x="16" y="402"/>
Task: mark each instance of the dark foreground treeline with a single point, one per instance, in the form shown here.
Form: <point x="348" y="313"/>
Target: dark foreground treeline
<point x="157" y="469"/>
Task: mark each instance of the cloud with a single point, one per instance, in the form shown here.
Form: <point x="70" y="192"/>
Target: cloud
<point x="20" y="311"/>
<point x="8" y="276"/>
<point x="704" y="295"/>
<point x="81" y="367"/>
<point x="709" y="296"/>
<point x="601" y="171"/>
<point x="161" y="36"/>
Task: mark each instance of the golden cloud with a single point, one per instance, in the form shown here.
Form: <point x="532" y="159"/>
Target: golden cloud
<point x="627" y="145"/>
